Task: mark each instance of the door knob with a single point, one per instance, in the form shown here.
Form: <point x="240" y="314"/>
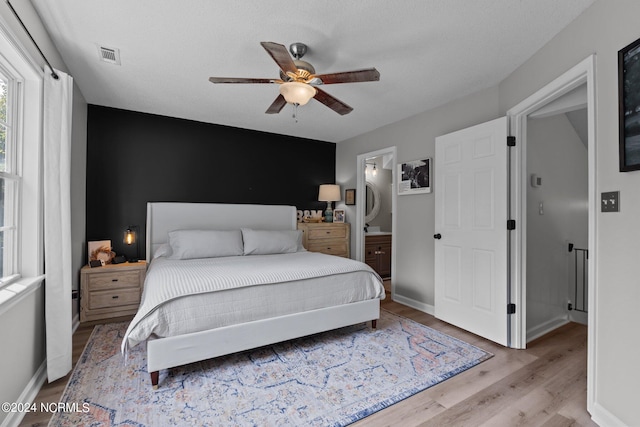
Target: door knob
<point x="437" y="236"/>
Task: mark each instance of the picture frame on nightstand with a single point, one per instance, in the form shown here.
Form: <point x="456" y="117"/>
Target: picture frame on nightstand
<point x="339" y="215"/>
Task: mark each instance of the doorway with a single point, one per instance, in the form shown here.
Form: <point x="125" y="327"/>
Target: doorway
<point x="557" y="214"/>
<point x="375" y="223"/>
<point x="580" y="76"/>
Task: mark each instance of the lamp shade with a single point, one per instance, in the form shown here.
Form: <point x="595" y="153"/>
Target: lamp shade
<point x="129" y="236"/>
<point x="297" y="92"/>
<point x="329" y="193"/>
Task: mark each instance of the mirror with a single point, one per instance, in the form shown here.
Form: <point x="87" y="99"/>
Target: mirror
<point x="372" y="202"/>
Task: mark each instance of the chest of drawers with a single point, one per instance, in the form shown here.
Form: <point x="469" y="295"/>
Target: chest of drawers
<point x="328" y="238"/>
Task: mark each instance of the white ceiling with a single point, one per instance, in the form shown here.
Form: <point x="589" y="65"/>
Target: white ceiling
<point x="428" y="52"/>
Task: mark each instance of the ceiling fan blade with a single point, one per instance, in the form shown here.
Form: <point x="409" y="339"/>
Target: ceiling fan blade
<point x="277" y="105"/>
<point x="367" y="75"/>
<point x="240" y="80"/>
<point x="333" y="103"/>
<point x="280" y="54"/>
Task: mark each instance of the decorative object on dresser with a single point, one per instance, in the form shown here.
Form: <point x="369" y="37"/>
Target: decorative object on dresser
<point x="111" y="291"/>
<point x="339" y="216"/>
<point x="377" y="249"/>
<point x="329" y="193"/>
<point x="100" y="250"/>
<point x="331" y="239"/>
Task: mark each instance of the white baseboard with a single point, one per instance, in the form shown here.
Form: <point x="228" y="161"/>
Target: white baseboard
<point x="602" y="417"/>
<point x="28" y="395"/>
<point x="75" y="323"/>
<point x="426" y="308"/>
<point x="579" y="317"/>
<point x="546" y="327"/>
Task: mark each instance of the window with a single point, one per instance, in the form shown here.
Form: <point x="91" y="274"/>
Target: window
<point x="21" y="232"/>
<point x="9" y="178"/>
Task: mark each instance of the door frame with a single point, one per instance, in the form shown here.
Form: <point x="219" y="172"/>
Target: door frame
<point x="580" y="74"/>
<point x="360" y="201"/>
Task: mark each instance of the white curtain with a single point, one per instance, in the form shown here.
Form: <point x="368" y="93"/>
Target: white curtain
<point x="58" y="99"/>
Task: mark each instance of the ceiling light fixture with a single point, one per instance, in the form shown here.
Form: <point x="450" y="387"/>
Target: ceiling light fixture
<point x="297" y="92"/>
<point x="374" y="170"/>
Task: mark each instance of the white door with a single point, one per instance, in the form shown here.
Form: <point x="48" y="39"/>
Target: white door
<point x="471" y="229"/>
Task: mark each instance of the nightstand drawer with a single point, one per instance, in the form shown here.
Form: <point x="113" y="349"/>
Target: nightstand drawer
<point x="113" y="290"/>
<point x="327" y="233"/>
<point x="114" y="298"/>
<point x="111" y="280"/>
<point x="330" y="248"/>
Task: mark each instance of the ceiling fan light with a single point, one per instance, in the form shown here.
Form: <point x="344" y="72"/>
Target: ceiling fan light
<point x="297" y="92"/>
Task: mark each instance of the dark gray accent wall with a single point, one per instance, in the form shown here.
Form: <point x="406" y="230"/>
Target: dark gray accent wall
<point x="134" y="158"/>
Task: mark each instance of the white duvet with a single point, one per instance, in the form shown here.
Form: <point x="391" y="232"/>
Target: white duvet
<point x="184" y="296"/>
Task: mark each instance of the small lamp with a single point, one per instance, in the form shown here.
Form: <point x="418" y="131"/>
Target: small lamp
<point x="131" y="237"/>
<point x="329" y="193"/>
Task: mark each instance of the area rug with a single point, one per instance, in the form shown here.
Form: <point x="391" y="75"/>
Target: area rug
<point x="329" y="379"/>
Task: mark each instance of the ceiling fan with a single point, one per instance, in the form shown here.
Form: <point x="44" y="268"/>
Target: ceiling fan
<point x="299" y="81"/>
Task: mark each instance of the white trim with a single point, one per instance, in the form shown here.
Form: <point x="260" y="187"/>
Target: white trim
<point x="547" y="327"/>
<point x="28" y="395"/>
<point x="410" y="302"/>
<point x="602" y="417"/>
<point x="358" y="234"/>
<point x="582" y="73"/>
<point x="28" y="284"/>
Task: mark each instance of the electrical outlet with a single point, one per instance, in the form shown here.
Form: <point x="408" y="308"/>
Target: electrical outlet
<point x="610" y="202"/>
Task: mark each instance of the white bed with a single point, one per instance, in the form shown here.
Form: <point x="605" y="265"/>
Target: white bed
<point x="259" y="313"/>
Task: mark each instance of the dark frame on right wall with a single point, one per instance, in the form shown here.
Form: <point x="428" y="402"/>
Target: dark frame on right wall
<point x="629" y="106"/>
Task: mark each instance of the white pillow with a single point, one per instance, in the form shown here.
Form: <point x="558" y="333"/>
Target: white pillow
<point x="189" y="244"/>
<point x="267" y="242"/>
<point x="163" y="250"/>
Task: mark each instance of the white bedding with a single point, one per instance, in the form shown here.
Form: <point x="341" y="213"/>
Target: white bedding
<point x="184" y="296"/>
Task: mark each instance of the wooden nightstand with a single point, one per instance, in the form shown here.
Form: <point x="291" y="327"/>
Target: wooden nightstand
<point x="332" y="238"/>
<point x="111" y="291"/>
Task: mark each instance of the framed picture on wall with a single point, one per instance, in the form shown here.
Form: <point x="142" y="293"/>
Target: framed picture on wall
<point x="414" y="177"/>
<point x="350" y="196"/>
<point x="629" y="106"/>
<point x="338" y="215"/>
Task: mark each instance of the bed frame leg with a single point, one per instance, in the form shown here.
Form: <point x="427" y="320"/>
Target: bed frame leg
<point x="374" y="324"/>
<point x="155" y="375"/>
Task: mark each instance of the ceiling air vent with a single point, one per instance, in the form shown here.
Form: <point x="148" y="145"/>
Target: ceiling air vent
<point x="109" y="54"/>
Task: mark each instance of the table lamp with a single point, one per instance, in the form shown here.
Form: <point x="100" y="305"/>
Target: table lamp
<point x="329" y="193"/>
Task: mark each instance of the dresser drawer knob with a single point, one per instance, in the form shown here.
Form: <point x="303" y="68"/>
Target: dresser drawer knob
<point x="114" y="280"/>
<point x="115" y="297"/>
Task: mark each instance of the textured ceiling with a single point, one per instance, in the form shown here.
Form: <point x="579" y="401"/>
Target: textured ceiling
<point x="428" y="52"/>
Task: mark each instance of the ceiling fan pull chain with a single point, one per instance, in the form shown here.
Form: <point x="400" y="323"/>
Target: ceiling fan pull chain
<point x="295" y="112"/>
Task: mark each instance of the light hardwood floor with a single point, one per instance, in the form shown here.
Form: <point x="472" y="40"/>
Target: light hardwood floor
<point x="544" y="385"/>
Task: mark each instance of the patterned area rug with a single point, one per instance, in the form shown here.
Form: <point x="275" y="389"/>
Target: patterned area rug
<point x="329" y="379"/>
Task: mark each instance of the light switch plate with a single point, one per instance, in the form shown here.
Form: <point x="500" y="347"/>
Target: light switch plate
<point x="610" y="202"/>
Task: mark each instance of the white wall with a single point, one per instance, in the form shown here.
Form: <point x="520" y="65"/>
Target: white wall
<point x="603" y="29"/>
<point x="23" y="349"/>
<point x="606" y="27"/>
<point x="415" y="139"/>
<point x="557" y="155"/>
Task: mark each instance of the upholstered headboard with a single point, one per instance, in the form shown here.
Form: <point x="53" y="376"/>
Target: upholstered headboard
<point x="163" y="217"/>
